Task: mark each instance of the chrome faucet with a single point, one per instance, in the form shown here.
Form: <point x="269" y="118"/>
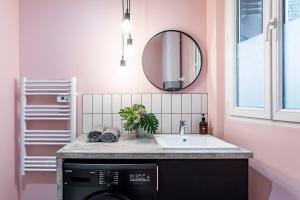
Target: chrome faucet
<point x="182" y="127"/>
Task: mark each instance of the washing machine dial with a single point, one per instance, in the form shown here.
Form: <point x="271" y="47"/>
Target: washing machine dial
<point x="109" y="179"/>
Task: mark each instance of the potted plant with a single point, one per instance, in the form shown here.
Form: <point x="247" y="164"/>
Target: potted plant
<point x="137" y="119"/>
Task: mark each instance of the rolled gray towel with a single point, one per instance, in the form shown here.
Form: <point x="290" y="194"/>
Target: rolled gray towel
<point x="111" y="134"/>
<point x="96" y="133"/>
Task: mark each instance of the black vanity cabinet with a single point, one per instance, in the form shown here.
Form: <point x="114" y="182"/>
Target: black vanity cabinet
<point x="203" y="179"/>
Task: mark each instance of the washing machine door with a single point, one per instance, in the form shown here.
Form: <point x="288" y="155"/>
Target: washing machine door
<point x="107" y="196"/>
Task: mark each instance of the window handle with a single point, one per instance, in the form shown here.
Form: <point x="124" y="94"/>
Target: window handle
<point x="272" y="25"/>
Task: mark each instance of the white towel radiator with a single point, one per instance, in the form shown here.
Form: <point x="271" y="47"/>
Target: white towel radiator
<point x="62" y="95"/>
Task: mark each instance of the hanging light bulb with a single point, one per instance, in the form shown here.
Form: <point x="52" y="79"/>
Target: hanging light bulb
<point x="129" y="48"/>
<point x="122" y="62"/>
<point x="126" y="26"/>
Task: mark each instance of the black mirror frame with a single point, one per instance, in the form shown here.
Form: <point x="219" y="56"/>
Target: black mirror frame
<point x="201" y="57"/>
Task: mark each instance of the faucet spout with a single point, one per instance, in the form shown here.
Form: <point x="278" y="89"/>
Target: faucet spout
<point x="182" y="127"/>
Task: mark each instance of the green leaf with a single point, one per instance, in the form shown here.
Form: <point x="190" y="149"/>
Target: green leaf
<point x="136" y="116"/>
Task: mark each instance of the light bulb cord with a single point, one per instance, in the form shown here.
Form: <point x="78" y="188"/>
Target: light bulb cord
<point x="128" y="6"/>
<point x="123" y="16"/>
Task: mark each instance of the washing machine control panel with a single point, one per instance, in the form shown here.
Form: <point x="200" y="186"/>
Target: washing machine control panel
<point x="108" y="178"/>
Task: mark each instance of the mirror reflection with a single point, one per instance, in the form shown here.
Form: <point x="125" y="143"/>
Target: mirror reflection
<point x="172" y="60"/>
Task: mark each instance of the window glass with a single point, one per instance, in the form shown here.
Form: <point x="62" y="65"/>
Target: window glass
<point x="291" y="56"/>
<point x="250" y="54"/>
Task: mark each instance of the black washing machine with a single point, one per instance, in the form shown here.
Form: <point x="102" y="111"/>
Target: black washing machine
<point x="109" y="181"/>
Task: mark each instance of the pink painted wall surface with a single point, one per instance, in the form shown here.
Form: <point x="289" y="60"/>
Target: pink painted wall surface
<point x="216" y="69"/>
<point x="274" y="173"/>
<point x="63" y="38"/>
<point x="9" y="74"/>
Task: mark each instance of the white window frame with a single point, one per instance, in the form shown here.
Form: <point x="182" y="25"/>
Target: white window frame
<point x="279" y="113"/>
<point x="273" y="82"/>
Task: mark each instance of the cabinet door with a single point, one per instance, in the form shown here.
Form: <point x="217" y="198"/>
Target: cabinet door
<point x="203" y="179"/>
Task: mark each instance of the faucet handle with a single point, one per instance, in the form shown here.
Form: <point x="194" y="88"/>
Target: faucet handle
<point x="182" y="123"/>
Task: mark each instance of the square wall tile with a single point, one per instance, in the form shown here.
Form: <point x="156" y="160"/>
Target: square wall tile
<point x="196" y="119"/>
<point x="166" y="103"/>
<point x="97" y="120"/>
<point x="107" y="107"/>
<point x="188" y="121"/>
<point x="196" y="103"/>
<point x="175" y="123"/>
<point x="136" y="99"/>
<point x="126" y="100"/>
<point x="97" y="103"/>
<point x="146" y="101"/>
<point x="117" y="121"/>
<point x="166" y="123"/>
<point x="116" y="103"/>
<point x="87" y="121"/>
<point x="107" y="119"/>
<point x="186" y="103"/>
<point x="176" y="103"/>
<point x="204" y="103"/>
<point x="87" y="104"/>
<point x="158" y="116"/>
<point x="156" y="103"/>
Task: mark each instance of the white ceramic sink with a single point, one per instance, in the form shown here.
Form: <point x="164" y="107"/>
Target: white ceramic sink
<point x="193" y="142"/>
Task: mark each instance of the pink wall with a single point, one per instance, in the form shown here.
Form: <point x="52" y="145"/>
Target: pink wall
<point x="275" y="173"/>
<point x="63" y="38"/>
<point x="216" y="70"/>
<point x="9" y="74"/>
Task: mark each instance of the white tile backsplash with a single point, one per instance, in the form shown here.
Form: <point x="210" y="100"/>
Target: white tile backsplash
<point x="158" y="116"/>
<point x="166" y="103"/>
<point x="168" y="108"/>
<point x="188" y="121"/>
<point x="146" y="101"/>
<point x="196" y="103"/>
<point x="156" y="103"/>
<point x="97" y="103"/>
<point x="97" y="119"/>
<point x="176" y="103"/>
<point x="116" y="103"/>
<point x="204" y="103"/>
<point x="87" y="121"/>
<point x="107" y="119"/>
<point x="136" y="99"/>
<point x="186" y="103"/>
<point x="175" y="122"/>
<point x="196" y="118"/>
<point x="87" y="104"/>
<point x="166" y="123"/>
<point x="117" y="121"/>
<point x="107" y="99"/>
<point x="126" y="100"/>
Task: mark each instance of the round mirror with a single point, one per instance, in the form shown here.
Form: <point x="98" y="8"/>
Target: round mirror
<point x="172" y="60"/>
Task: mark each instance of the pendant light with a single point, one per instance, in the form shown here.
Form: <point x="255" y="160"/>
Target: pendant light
<point x="123" y="61"/>
<point x="129" y="47"/>
<point x="126" y="25"/>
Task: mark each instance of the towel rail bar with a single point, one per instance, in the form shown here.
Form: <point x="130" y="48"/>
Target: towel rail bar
<point x="65" y="112"/>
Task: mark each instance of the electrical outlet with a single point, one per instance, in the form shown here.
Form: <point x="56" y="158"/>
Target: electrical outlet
<point x="63" y="99"/>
